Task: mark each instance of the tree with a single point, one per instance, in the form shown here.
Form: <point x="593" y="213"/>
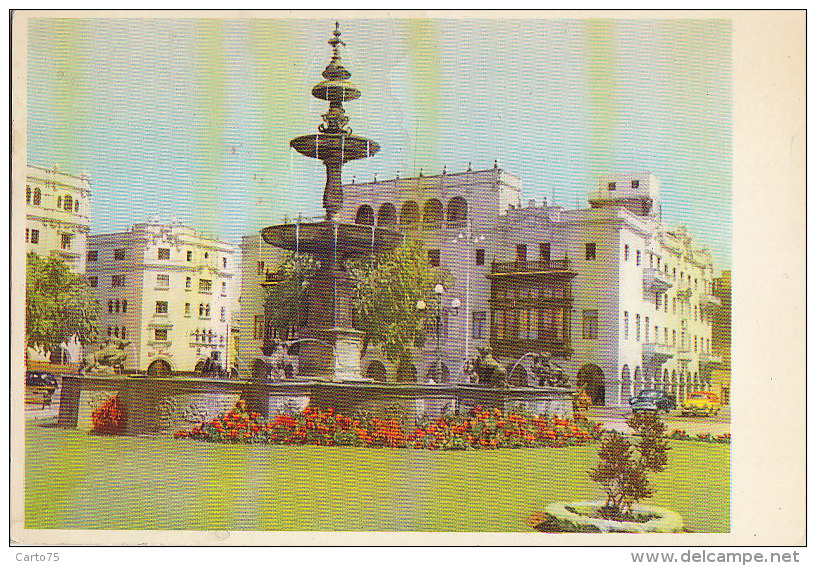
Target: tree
<point x="286" y="301"/>
<point x="59" y="305"/>
<point x="388" y="288"/>
<point x="621" y="474"/>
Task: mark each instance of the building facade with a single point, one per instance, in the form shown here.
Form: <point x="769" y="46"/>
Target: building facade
<point x="167" y="289"/>
<point x="721" y="337"/>
<point x="57" y="224"/>
<point x="621" y="302"/>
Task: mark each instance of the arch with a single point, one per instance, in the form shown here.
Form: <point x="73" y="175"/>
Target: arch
<point x="626" y="383"/>
<point x="457" y="210"/>
<point x="60" y="355"/>
<point x="519" y="376"/>
<point x="409" y="213"/>
<point x="432" y="213"/>
<point x="68" y="203"/>
<point x="406" y="371"/>
<point x="387" y="215"/>
<point x="159" y="368"/>
<point x="590" y="378"/>
<point x="638" y="380"/>
<point x="365" y="215"/>
<point x="376" y="371"/>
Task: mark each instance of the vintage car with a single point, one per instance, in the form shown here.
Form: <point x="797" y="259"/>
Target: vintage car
<point x="40" y="387"/>
<point x="652" y="400"/>
<point x="700" y="403"/>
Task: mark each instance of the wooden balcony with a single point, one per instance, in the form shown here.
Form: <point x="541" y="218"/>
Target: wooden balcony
<point x="553" y="266"/>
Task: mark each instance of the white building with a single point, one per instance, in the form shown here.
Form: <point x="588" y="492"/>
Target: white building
<point x="57" y="224"/>
<point x="168" y="289"/>
<point x="621" y="301"/>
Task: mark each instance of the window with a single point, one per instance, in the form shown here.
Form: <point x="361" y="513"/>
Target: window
<point x="160" y="334"/>
<point x="110" y="306"/>
<point x="206" y="255"/>
<point x="123" y="333"/>
<point x="65" y="241"/>
<point x="665" y="335"/>
<point x="258" y="327"/>
<point x="657" y="300"/>
<point x="521" y="252"/>
<point x="674" y="305"/>
<point x="186" y="309"/>
<point x="674" y="337"/>
<point x="76" y="209"/>
<point x="695" y="312"/>
<point x="189" y="255"/>
<point x="116" y="331"/>
<point x="93" y="255"/>
<point x="162" y="281"/>
<point x="590" y="326"/>
<point x="117" y="306"/>
<point x="161" y="307"/>
<point x="479" y="320"/>
<point x="119" y="254"/>
<point x="625" y="325"/>
<point x="223" y="314"/>
<point x="695" y="343"/>
<point x="637" y="327"/>
<point x="26" y="234"/>
<point x="637" y="257"/>
<point x="528" y="325"/>
<point x="590" y="251"/>
<point x="480" y="257"/>
<point x="224" y="262"/>
<point x="646" y="330"/>
<point x="35" y="236"/>
<point x="124" y="305"/>
<point x="635" y="184"/>
<point x="433" y="257"/>
<point x="28" y="194"/>
<point x="93" y="281"/>
<point x="110" y="331"/>
<point x="117" y="280"/>
<point x="59" y="202"/>
<point x="68" y="203"/>
<point x="223" y="288"/>
<point x="164" y="253"/>
<point x="544" y="252"/>
<point x="201" y="310"/>
<point x="261" y="268"/>
<point x="188" y="283"/>
<point x="625" y="252"/>
<point x="207" y="310"/>
<point x="204" y="286"/>
<point x="37" y="195"/>
<point x="611" y="186"/>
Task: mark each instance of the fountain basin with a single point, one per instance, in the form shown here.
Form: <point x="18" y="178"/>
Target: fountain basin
<point x="318" y="238"/>
<point x="342" y="147"/>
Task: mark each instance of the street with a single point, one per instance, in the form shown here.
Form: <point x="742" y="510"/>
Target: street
<point x="614" y="418"/>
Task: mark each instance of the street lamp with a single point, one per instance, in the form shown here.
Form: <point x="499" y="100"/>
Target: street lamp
<point x="422" y="307"/>
<point x="471" y="239"/>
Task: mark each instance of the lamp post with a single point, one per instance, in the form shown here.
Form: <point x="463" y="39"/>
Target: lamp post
<point x="422" y="307"/>
<point x="470" y="239"/>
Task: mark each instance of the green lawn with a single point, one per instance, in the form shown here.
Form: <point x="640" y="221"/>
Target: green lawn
<point x="78" y="481"/>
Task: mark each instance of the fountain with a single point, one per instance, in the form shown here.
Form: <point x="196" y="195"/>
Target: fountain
<point x="329" y="316"/>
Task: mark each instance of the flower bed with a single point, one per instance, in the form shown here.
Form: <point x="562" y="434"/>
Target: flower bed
<point x="700" y="437"/>
<point x="109" y="418"/>
<point x="478" y="429"/>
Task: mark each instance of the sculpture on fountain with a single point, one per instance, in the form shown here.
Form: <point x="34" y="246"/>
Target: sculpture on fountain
<point x="109" y="359"/>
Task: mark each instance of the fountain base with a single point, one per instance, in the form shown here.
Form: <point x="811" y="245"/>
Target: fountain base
<point x="330" y="354"/>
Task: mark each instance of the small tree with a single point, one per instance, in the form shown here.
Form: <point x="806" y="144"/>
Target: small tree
<point x="59" y="305"/>
<point x="388" y="288"/>
<point x="622" y="468"/>
<point x="286" y="301"/>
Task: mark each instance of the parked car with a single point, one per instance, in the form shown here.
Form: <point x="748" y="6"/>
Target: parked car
<point x="652" y="400"/>
<point x="700" y="403"/>
<point x="43" y="380"/>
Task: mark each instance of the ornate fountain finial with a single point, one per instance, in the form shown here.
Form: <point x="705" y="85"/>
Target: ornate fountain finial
<point x="444" y="169"/>
<point x="470" y="168"/>
<point x="495" y="164"/>
<point x="335" y="41"/>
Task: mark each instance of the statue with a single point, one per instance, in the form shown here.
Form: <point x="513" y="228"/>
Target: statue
<point x="280" y="360"/>
<point x="469" y="374"/>
<point x="212" y="368"/>
<point x="110" y="358"/>
<point x="489" y="371"/>
<point x="548" y="372"/>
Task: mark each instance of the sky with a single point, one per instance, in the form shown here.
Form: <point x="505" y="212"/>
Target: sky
<point x="190" y="119"/>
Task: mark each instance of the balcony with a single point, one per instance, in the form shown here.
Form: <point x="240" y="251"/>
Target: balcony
<point x="655" y="280"/>
<point x="533" y="267"/>
<point x="710" y="359"/>
<point x="684" y="292"/>
<point x="656" y="352"/>
<point x="684" y="354"/>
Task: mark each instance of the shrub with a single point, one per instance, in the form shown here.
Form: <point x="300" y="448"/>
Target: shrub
<point x="622" y="468"/>
<point x="109" y="418"/>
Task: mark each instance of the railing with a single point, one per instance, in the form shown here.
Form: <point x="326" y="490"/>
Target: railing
<point x="521" y="266"/>
<point x="275" y="276"/>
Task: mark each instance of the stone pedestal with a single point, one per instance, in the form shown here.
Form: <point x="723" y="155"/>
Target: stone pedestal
<point x="330" y="354"/>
